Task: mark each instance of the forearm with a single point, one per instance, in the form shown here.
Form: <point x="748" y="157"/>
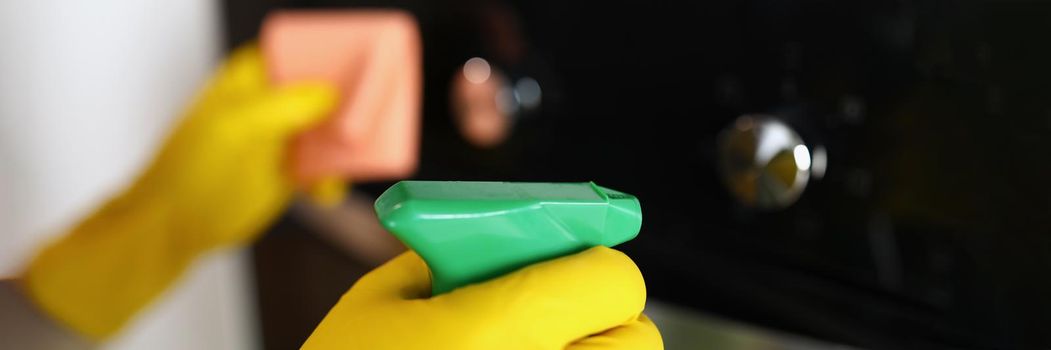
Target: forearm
<point x="108" y="267"/>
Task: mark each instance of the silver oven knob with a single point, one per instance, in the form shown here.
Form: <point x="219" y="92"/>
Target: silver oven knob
<point x="763" y="162"/>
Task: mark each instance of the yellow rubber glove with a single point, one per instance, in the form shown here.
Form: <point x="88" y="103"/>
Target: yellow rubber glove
<point x="592" y="300"/>
<point x="218" y="180"/>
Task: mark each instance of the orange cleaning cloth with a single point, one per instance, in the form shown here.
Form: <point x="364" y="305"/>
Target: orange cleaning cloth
<point x="374" y="58"/>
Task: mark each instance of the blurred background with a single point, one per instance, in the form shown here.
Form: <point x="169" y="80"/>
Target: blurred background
<point x="914" y="216"/>
<point x="814" y="174"/>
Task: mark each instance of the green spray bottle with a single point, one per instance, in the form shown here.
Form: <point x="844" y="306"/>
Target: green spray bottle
<point x="469" y="232"/>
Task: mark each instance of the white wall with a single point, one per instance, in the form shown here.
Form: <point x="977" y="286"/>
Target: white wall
<point x="87" y="89"/>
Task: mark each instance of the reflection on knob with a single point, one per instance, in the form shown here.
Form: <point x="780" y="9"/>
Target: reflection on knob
<point x="763" y="161"/>
<point x="481" y="104"/>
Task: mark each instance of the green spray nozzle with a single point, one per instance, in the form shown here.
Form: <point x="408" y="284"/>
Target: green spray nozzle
<point x="469" y="232"/>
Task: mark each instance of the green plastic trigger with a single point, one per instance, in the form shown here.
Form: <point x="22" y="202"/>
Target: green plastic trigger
<point x="469" y="232"/>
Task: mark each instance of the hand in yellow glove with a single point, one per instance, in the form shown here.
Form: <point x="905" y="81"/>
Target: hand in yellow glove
<point x="592" y="300"/>
<point x="217" y="181"/>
